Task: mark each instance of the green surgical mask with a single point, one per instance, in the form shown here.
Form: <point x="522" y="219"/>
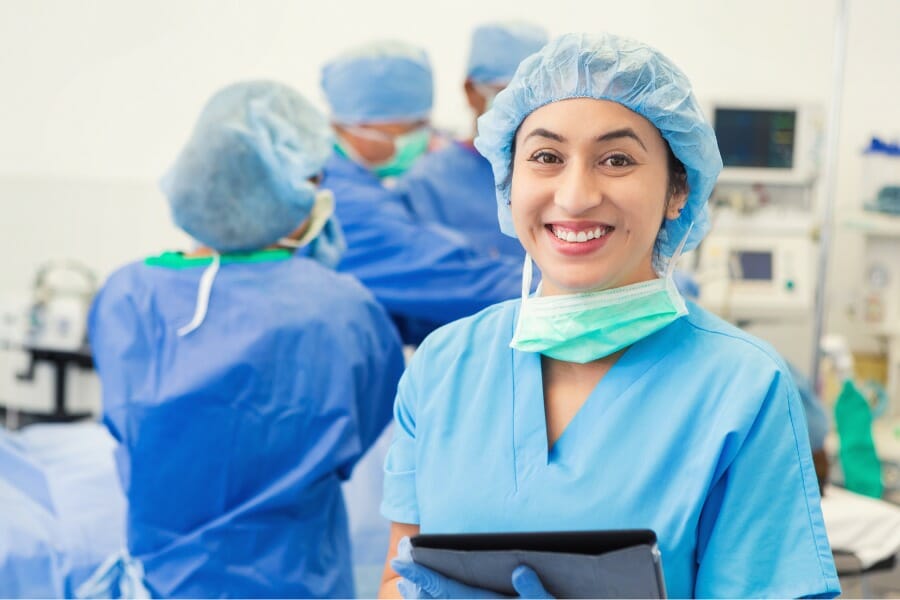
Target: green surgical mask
<point x="407" y="149"/>
<point x="583" y="327"/>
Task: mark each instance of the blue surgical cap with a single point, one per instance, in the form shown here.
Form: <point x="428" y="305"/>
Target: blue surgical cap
<point x="498" y="48"/>
<point x="609" y="67"/>
<point x="242" y="180"/>
<point x="379" y="82"/>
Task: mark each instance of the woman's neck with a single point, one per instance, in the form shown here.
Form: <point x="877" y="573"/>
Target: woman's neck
<point x="562" y="368"/>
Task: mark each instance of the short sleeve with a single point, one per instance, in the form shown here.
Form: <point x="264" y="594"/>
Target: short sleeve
<point x="399" y="503"/>
<point x="761" y="532"/>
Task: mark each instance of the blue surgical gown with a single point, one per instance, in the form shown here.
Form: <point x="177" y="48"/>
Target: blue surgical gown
<point x="234" y="439"/>
<point x="454" y="187"/>
<point x="697" y="432"/>
<point x="422" y="273"/>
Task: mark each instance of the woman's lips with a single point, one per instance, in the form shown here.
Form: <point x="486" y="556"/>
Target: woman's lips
<point x="577" y="239"/>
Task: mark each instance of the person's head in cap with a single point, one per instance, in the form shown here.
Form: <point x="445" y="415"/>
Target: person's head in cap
<point x="247" y="177"/>
<point x="494" y="55"/>
<point x="380" y="95"/>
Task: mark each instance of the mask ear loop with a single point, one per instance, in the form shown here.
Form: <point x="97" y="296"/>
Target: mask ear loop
<point x="203" y="292"/>
<point x="527" y="269"/>
<point x="670" y="267"/>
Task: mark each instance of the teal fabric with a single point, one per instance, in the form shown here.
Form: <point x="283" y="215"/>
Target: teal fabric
<point x="584" y="327"/>
<point x="859" y="461"/>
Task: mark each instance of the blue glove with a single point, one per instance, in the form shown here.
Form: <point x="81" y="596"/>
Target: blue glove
<point x="421" y="582"/>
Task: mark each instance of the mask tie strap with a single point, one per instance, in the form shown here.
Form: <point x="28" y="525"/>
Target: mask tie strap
<point x="203" y="292"/>
<point x="318" y="218"/>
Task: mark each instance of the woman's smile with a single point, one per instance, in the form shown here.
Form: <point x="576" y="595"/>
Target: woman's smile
<point x="578" y="238"/>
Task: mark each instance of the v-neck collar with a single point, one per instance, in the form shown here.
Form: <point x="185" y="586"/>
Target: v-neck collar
<point x="530" y="422"/>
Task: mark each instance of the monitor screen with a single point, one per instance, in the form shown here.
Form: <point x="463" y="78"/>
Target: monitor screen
<point x="756" y="138"/>
<point x="752" y="265"/>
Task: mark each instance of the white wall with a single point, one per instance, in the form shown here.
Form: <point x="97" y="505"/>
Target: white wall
<point x="98" y="95"/>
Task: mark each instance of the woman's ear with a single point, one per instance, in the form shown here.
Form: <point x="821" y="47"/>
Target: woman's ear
<point x="676" y="203"/>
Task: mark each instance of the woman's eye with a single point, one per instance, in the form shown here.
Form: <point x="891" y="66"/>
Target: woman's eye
<point x="545" y="158"/>
<point x="618" y="160"/>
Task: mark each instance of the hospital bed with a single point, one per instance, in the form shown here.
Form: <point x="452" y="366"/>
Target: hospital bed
<point x="62" y="511"/>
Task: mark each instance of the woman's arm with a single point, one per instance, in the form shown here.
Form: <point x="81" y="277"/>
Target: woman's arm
<point x="390" y="578"/>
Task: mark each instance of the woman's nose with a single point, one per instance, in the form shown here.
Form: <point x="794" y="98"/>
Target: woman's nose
<point x="578" y="191"/>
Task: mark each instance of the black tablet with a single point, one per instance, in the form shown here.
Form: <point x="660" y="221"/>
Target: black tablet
<point x="571" y="564"/>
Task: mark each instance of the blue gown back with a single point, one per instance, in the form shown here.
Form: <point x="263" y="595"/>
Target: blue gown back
<point x="235" y="438"/>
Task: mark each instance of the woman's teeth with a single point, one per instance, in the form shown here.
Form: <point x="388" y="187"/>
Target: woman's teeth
<point x="567" y="235"/>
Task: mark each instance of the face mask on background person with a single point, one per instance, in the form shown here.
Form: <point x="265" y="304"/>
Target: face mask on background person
<point x="408" y="147"/>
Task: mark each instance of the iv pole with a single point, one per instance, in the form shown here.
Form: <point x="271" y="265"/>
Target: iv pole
<point x="829" y="191"/>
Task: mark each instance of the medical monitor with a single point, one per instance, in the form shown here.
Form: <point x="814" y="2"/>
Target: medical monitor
<point x="765" y="143"/>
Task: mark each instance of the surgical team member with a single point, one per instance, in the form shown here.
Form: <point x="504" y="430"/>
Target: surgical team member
<point x="244" y="379"/>
<point x="454" y="186"/>
<point x="605" y="401"/>
<point x="425" y="275"/>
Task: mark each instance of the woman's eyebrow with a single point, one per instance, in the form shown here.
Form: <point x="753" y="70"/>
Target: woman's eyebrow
<point x="620" y="133"/>
<point x="541" y="132"/>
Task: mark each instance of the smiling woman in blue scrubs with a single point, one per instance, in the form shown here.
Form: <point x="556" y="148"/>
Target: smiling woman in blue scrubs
<point x="605" y="401"/>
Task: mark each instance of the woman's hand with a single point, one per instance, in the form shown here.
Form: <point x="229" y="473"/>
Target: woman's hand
<point x="421" y="582"/>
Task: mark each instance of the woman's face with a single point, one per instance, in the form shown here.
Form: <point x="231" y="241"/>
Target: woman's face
<point x="588" y="196"/>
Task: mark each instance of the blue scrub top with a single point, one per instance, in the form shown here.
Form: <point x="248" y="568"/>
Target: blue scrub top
<point x="234" y="439"/>
<point x="420" y="272"/>
<point x="454" y="187"/>
<point x="697" y="432"/>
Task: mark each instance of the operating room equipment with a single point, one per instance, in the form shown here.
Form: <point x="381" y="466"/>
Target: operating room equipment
<point x="767" y="141"/>
<point x="881" y="177"/>
<point x="756" y="268"/>
<point x="47" y="365"/>
<point x="876" y="306"/>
